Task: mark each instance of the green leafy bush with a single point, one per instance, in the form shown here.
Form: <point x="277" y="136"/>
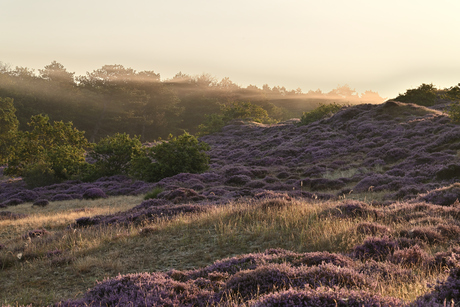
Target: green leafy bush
<point x="424" y="95"/>
<point x="236" y="110"/>
<point x="113" y="154"/>
<point x="153" y="194"/>
<point x="57" y="151"/>
<point x="323" y="111"/>
<point x="454" y="112"/>
<point x="182" y="154"/>
<point x="8" y="127"/>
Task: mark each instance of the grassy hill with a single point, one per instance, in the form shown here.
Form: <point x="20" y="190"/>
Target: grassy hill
<point x="360" y="208"/>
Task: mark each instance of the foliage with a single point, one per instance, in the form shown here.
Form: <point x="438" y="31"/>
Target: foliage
<point x="454" y="112"/>
<point x="237" y="110"/>
<point x="424" y="95"/>
<point x="112" y="154"/>
<point x="55" y="150"/>
<point x="8" y="127"/>
<point x="323" y="111"/>
<point x="153" y="194"/>
<point x="182" y="154"/>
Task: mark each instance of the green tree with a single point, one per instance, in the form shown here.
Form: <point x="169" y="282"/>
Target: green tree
<point x="8" y="127"/>
<point x="182" y="154"/>
<point x="55" y="150"/>
<point x="56" y="72"/>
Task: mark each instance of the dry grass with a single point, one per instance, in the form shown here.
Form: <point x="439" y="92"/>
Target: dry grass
<point x="188" y="241"/>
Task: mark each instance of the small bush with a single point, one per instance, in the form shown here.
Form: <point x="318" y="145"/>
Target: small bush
<point x="424" y="95"/>
<point x="153" y="194"/>
<point x="323" y="111"/>
<point x="94" y="193"/>
<point x="182" y="154"/>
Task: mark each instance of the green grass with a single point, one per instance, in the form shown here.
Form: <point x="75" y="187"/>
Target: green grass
<point x="185" y="242"/>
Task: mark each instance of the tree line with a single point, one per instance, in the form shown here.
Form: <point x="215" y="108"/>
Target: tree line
<point x="114" y="99"/>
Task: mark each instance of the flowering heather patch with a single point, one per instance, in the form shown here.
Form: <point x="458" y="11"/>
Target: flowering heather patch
<point x="94" y="193"/>
<point x="445" y="196"/>
<point x="6" y="215"/>
<point x="375" y="248"/>
<point x="238" y="180"/>
<point x="372" y="229"/>
<point x="317" y="258"/>
<point x="414" y="255"/>
<point x="41" y="203"/>
<point x="12" y="202"/>
<point x="386" y="271"/>
<point x="325" y="297"/>
<point x="139" y="214"/>
<point x="427" y="234"/>
<point x="351" y="209"/>
<point x="62" y="197"/>
<point x="444" y="291"/>
<point x="181" y="195"/>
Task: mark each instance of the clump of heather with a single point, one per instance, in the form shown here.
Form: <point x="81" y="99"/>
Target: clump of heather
<point x="386" y="271"/>
<point x="445" y="196"/>
<point x="317" y="258"/>
<point x="376" y="248"/>
<point x="352" y="209"/>
<point x="411" y="256"/>
<point x="12" y="202"/>
<point x="7" y="215"/>
<point x="444" y="291"/>
<point x="372" y="229"/>
<point x="325" y="297"/>
<point x="426" y="234"/>
<point x="62" y="197"/>
<point x="41" y="203"/>
<point x="94" y="193"/>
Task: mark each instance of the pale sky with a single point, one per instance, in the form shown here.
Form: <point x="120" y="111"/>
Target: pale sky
<point x="385" y="46"/>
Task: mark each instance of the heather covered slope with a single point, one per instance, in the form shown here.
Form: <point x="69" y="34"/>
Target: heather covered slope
<point x="394" y="150"/>
<point x="275" y="221"/>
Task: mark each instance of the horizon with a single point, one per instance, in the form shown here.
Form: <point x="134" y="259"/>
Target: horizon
<point x="386" y="48"/>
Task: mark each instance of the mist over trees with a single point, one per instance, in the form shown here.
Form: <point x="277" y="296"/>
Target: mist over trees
<point x="115" y="99"/>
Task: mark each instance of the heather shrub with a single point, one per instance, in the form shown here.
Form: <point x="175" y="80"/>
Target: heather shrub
<point x="325" y="297"/>
<point x="317" y="258"/>
<point x="61" y="197"/>
<point x="414" y="255"/>
<point x="323" y="111"/>
<point x="41" y="203"/>
<point x="386" y="271"/>
<point x="425" y="234"/>
<point x="445" y="196"/>
<point x="12" y="202"/>
<point x="449" y="172"/>
<point x="94" y="193"/>
<point x="238" y="180"/>
<point x="6" y="215"/>
<point x="372" y="229"/>
<point x="351" y="209"/>
<point x="444" y="291"/>
<point x="376" y="248"/>
<point x="264" y="279"/>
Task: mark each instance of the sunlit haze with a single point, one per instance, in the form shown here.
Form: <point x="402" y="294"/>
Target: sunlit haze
<point x="384" y="46"/>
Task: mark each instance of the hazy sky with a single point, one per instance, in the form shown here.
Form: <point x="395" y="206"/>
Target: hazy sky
<point x="386" y="46"/>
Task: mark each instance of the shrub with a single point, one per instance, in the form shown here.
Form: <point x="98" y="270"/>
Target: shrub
<point x="112" y="155"/>
<point x="154" y="193"/>
<point x="56" y="151"/>
<point x="94" y="193"/>
<point x="454" y="112"/>
<point x="41" y="203"/>
<point x="323" y="111"/>
<point x="375" y="248"/>
<point x="424" y="95"/>
<point x="182" y="154"/>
